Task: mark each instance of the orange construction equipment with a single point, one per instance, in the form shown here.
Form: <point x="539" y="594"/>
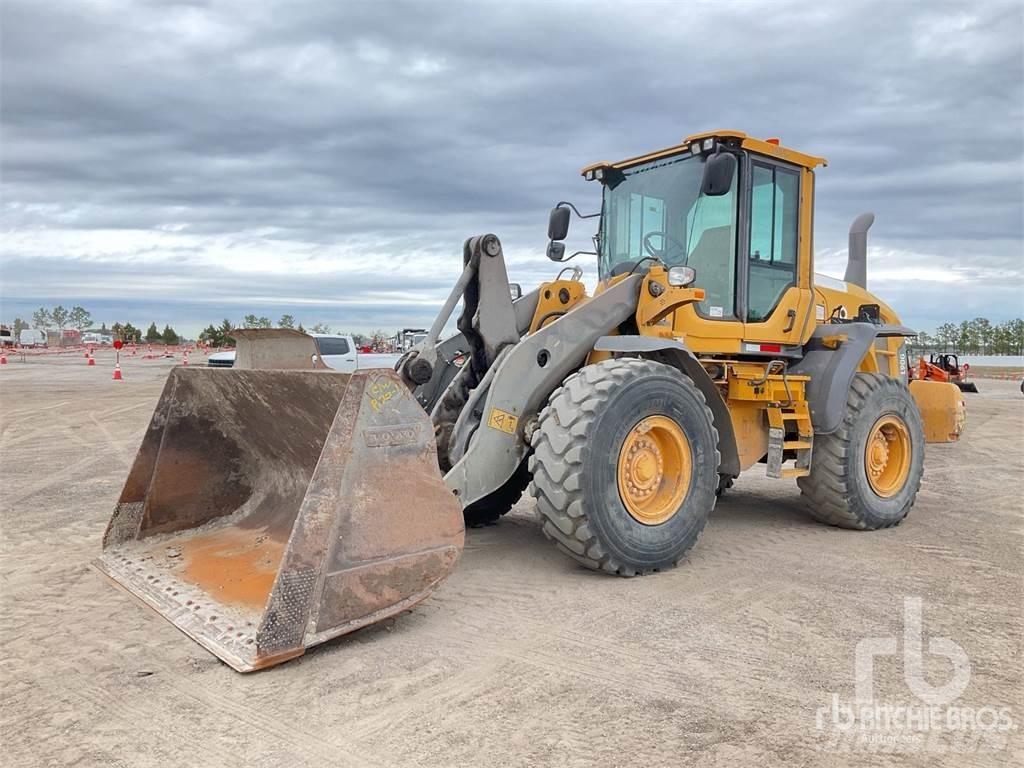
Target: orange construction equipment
<point x="945" y="367"/>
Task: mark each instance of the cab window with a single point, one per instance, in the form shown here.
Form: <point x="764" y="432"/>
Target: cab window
<point x="656" y="210"/>
<point x="774" y="217"/>
<point x="332" y="346"/>
<point x="711" y="244"/>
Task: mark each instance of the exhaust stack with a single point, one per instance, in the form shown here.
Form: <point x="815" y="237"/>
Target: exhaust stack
<point x="857" y="258"/>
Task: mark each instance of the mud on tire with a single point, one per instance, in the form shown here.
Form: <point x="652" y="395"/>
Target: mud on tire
<point x="837" y="491"/>
<point x="574" y="465"/>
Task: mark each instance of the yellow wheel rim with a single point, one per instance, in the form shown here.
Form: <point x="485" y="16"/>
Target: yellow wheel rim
<point x="887" y="456"/>
<point x="654" y="468"/>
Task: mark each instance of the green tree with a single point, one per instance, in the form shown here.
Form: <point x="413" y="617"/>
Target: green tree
<point x="1016" y="334"/>
<point x="300" y="329"/>
<point x="104" y="329"/>
<point x="967" y="339"/>
<point x="60" y="317"/>
<point x="152" y="334"/>
<point x="321" y="328"/>
<point x="19" y="326"/>
<point x="79" y="318"/>
<point x="169" y="336"/>
<point x="286" y="321"/>
<point x="41" y="318"/>
<point x="127" y="333"/>
<point x="982" y="331"/>
<point x="209" y="336"/>
<point x="251" y="321"/>
<point x="947" y="336"/>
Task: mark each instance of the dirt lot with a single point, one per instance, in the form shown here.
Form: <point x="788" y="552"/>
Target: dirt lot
<point x="521" y="657"/>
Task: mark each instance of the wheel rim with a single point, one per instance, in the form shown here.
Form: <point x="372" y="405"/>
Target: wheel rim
<point x="887" y="456"/>
<point x="654" y="469"/>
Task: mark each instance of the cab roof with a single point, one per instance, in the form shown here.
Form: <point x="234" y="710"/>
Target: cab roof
<point x="769" y="147"/>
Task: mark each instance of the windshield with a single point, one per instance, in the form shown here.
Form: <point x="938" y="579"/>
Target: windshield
<point x="657" y="211"/>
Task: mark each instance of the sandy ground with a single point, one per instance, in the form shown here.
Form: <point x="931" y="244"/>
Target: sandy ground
<point x="521" y="658"/>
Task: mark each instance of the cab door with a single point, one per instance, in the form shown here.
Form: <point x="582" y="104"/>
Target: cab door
<point x="777" y="296"/>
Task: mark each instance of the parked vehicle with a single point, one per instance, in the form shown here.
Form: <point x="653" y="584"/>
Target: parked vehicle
<point x="407" y="338"/>
<point x="32" y="337"/>
<point x="6" y="337"/>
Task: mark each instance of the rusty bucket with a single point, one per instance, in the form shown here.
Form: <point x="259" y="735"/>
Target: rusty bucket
<point x="271" y="510"/>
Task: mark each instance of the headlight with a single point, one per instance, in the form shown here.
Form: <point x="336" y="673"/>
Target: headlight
<point x="681" y="276"/>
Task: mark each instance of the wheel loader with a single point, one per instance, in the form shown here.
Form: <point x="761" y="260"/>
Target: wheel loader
<point x="276" y="505"/>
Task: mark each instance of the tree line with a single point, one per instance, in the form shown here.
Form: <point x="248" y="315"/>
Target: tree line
<point x="978" y="337"/>
<point x="220" y="335"/>
<point x="57" y="318"/>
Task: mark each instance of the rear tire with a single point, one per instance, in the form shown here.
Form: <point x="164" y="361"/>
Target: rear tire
<point x="578" y="465"/>
<point x="838" y="490"/>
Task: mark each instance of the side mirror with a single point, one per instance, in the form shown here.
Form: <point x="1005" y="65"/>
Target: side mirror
<point x="558" y="224"/>
<point x="515" y="290"/>
<point x="556" y="251"/>
<point x="719" y="171"/>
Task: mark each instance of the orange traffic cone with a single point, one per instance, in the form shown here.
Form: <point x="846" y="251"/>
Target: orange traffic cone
<point x="117" y="372"/>
<point x="92" y="360"/>
<point x="3" y="358"/>
<point x="86" y="353"/>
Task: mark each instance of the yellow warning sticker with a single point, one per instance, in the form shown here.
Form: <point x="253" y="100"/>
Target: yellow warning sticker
<point x="502" y="421"/>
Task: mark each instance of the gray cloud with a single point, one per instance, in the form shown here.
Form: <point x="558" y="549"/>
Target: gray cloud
<point x="165" y="146"/>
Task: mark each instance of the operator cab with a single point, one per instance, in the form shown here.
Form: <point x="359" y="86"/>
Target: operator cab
<point x="738" y="211"/>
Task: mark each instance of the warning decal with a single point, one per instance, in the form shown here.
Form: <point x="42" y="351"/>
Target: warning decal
<point x="503" y="421"/>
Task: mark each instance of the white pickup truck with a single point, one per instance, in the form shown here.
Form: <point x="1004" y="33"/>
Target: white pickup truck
<point x="337" y="351"/>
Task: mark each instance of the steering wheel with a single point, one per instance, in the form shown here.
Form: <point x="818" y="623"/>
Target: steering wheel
<point x="666" y="241"/>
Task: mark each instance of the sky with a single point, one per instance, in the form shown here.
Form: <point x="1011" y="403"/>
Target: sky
<point x="187" y="162"/>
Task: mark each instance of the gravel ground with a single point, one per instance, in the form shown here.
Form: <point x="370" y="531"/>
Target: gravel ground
<point x="522" y="658"/>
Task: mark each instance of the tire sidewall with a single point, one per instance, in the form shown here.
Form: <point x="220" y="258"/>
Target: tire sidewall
<point x="874" y="510"/>
<point x="649" y="546"/>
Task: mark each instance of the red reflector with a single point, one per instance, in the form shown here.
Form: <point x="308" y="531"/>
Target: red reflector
<point x="771" y="347"/>
<point x="773" y="141"/>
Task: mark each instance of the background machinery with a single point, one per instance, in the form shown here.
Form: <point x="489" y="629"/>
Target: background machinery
<point x="945" y="367"/>
<point x="273" y="506"/>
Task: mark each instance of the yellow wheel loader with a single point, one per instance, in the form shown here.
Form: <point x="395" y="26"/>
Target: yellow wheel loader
<point x="279" y="504"/>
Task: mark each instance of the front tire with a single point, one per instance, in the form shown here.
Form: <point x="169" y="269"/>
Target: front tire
<point x="490" y="509"/>
<point x="625" y="466"/>
<point x="866" y="474"/>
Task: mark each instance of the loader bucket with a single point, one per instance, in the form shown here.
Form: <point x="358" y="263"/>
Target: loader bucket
<point x="271" y="510"/>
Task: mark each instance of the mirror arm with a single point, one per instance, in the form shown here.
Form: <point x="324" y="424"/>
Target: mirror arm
<point x="575" y="210"/>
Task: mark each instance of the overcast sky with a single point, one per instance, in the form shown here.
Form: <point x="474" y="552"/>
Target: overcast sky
<point x="182" y="163"/>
